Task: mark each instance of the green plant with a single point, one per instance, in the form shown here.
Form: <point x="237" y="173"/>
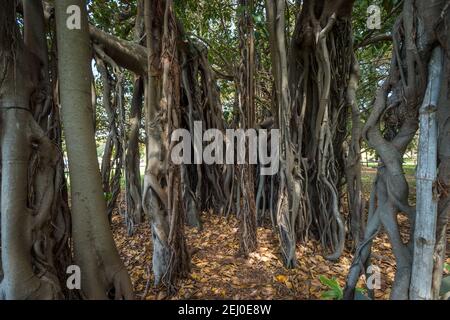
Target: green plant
<point x="447" y="267"/>
<point x="335" y="292"/>
<point x="108" y="196"/>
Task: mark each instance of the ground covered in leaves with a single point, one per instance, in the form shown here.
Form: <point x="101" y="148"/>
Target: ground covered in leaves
<point x="219" y="273"/>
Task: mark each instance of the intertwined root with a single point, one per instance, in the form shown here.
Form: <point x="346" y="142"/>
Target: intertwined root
<point x="396" y="107"/>
<point x="311" y="84"/>
<point x="30" y="216"/>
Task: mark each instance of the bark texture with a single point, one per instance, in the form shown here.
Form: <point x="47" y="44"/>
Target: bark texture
<point x="311" y="82"/>
<point x="390" y="128"/>
<point x="247" y="114"/>
<point x="162" y="182"/>
<point x="104" y="275"/>
<point x="35" y="221"/>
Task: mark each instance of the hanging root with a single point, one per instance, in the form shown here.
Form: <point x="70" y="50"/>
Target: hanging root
<point x="34" y="217"/>
<point x="396" y="106"/>
<point x="313" y="117"/>
<point x="28" y="186"/>
<point x="245" y="86"/>
<point x="134" y="212"/>
<point x="162" y="188"/>
<point x="116" y="140"/>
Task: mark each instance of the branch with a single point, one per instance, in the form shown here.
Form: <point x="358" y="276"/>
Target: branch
<point x="127" y="54"/>
<point x="327" y="28"/>
<point x="374" y="39"/>
<point x="221" y="75"/>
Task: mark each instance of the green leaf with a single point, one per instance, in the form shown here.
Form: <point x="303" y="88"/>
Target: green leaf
<point x="330" y="295"/>
<point x="333" y="284"/>
<point x="447" y="267"/>
<point x="241" y="9"/>
<point x="258" y="18"/>
<point x="108" y="196"/>
<point x="361" y="290"/>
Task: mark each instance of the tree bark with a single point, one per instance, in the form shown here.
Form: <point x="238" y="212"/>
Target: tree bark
<point x="356" y="202"/>
<point x="443" y="182"/>
<point x="103" y="273"/>
<point x="162" y="181"/>
<point x="246" y="87"/>
<point x="390" y="128"/>
<point x="427" y="199"/>
<point x="34" y="228"/>
<point x="311" y="82"/>
<point x="134" y="213"/>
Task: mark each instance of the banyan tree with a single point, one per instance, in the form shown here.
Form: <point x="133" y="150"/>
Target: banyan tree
<point x="294" y="74"/>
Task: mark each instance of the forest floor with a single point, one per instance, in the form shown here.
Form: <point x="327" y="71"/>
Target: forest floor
<point x="218" y="272"/>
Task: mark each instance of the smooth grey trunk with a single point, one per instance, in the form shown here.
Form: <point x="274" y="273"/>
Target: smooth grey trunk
<point x="19" y="279"/>
<point x="94" y="249"/>
<point x="416" y="33"/>
<point x="427" y="199"/>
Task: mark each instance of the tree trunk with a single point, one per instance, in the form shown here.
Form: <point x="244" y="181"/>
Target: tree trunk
<point x="356" y="202"/>
<point x="103" y="273"/>
<point x="390" y="128"/>
<point x="443" y="182"/>
<point x="162" y="182"/>
<point x="246" y="88"/>
<point x="287" y="209"/>
<point x="427" y="202"/>
<point x="311" y="81"/>
<point x="34" y="216"/>
<point x="134" y="214"/>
